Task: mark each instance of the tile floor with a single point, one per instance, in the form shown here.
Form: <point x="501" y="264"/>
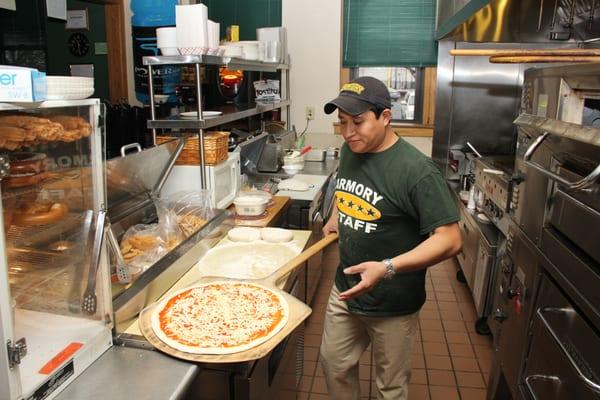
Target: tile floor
<point x="450" y="361"/>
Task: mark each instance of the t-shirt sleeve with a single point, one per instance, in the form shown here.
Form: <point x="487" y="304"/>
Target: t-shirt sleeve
<point x="434" y="203"/>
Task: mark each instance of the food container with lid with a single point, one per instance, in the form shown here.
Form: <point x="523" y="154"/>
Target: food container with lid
<point x="316" y="155"/>
<point x="250" y="205"/>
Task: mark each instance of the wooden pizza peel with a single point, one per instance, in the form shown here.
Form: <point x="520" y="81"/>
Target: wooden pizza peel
<point x="298" y="312"/>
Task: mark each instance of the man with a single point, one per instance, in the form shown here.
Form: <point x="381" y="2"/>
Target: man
<point x="395" y="218"/>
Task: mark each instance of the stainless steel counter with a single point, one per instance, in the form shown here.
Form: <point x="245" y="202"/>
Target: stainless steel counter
<point x="324" y="168"/>
<point x="124" y="373"/>
<point x="490" y="232"/>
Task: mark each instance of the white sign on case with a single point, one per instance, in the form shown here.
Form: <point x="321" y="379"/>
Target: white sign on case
<point x="77" y="19"/>
<point x="8" y="4"/>
<point x="57" y="9"/>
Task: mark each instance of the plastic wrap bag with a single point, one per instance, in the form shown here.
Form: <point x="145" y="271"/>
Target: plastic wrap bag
<point x="192" y="209"/>
<point x="144" y="244"/>
<point x="267" y="91"/>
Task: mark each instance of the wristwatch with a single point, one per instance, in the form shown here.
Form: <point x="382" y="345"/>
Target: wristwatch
<point x="389" y="269"/>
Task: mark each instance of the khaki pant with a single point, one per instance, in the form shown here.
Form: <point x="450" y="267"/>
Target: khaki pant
<point x="345" y="338"/>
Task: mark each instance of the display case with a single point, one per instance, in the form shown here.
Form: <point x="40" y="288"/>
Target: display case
<point x="171" y="233"/>
<point x="55" y="302"/>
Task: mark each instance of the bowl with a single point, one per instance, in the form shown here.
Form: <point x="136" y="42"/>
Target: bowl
<point x="250" y="205"/>
<point x="161" y="98"/>
<point x="169" y="51"/>
<point x="293" y="169"/>
<point x="294" y="159"/>
<point x="166" y="37"/>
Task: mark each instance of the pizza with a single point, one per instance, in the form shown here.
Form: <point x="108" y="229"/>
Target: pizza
<point x="220" y="317"/>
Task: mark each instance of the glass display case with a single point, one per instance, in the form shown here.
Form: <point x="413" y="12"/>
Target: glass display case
<point x="55" y="300"/>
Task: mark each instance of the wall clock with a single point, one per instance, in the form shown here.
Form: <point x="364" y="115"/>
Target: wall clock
<point x="78" y="44"/>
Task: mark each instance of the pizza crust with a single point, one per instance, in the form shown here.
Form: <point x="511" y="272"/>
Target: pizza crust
<point x="276" y="235"/>
<point x="244" y="234"/>
<point x="156" y="327"/>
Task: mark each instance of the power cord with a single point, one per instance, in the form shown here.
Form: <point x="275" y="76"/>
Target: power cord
<point x="305" y="128"/>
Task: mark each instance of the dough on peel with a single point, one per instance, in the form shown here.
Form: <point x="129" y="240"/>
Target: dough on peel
<point x="244" y="234"/>
<point x="276" y="235"/>
<point x="293" y="184"/>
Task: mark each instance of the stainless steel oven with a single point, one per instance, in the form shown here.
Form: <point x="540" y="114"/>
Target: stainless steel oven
<point x="563" y="361"/>
<point x="557" y="155"/>
<point x="513" y="301"/>
<point x="556" y="204"/>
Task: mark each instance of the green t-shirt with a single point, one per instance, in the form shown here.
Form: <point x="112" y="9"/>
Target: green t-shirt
<point x="388" y="203"/>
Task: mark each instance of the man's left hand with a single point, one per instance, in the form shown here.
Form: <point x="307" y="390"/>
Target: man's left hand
<point x="371" y="273"/>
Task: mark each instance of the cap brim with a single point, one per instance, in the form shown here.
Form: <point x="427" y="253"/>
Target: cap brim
<point x="348" y="105"/>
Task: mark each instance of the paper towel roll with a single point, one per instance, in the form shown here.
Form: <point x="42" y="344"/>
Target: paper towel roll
<point x="192" y="26"/>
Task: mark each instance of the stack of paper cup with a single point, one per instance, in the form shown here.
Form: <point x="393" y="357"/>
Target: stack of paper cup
<point x="192" y="28"/>
<point x="213" y="37"/>
<point x="166" y="41"/>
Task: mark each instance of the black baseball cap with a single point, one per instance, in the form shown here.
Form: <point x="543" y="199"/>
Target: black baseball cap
<point x="360" y="95"/>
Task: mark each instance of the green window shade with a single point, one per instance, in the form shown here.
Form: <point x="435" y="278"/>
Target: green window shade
<point x="389" y="32"/>
<point x="249" y="15"/>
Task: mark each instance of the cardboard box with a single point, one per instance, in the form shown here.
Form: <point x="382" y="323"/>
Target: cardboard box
<point x="19" y="84"/>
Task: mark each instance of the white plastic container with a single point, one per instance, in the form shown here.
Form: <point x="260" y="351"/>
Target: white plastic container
<point x="250" y="205"/>
<point x="293" y="169"/>
<point x="250" y="48"/>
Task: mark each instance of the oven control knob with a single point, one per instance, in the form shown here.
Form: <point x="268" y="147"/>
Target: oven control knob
<point x="506" y="269"/>
<point x="499" y="315"/>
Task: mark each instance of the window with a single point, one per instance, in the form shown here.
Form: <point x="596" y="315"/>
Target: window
<point x="405" y="86"/>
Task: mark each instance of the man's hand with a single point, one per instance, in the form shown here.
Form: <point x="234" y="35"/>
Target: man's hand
<point x="332" y="224"/>
<point x="371" y="273"/>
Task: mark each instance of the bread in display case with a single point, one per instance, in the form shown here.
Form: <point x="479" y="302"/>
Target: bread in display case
<point x="54" y="274"/>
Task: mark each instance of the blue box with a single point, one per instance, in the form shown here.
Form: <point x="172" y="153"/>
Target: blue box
<point x="18" y="84"/>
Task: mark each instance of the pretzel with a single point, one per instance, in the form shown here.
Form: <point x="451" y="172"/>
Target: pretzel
<point x="13" y="133"/>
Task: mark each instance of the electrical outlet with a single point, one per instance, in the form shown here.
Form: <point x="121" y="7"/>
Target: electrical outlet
<point x="309" y="112"/>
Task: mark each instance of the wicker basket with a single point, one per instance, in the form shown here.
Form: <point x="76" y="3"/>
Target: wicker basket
<point x="215" y="148"/>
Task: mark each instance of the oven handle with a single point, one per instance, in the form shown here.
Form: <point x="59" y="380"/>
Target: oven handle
<point x="579" y="185"/>
<point x="540" y="312"/>
<point x="531" y="378"/>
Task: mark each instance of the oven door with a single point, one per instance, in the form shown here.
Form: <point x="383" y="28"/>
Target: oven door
<point x="576" y="213"/>
<point x="564" y="356"/>
<point x="468" y="255"/>
<point x="224" y="180"/>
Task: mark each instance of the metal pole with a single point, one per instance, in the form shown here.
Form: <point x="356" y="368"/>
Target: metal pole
<point x="287" y="95"/>
<point x="200" y="132"/>
<point x="152" y="110"/>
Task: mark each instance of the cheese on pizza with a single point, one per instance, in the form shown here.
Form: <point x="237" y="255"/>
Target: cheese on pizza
<point x="220" y="317"/>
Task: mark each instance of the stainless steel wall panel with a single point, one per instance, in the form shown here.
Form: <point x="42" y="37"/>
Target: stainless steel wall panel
<point x="475" y="101"/>
<point x="443" y="105"/>
<point x="522" y="21"/>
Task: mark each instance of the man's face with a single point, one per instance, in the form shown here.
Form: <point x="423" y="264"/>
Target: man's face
<point x="364" y="133"/>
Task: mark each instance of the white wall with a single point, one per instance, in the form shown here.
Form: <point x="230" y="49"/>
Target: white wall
<point x="314" y="34"/>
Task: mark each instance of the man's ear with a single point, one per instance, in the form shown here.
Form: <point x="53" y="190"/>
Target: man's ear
<point x="387" y="116"/>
